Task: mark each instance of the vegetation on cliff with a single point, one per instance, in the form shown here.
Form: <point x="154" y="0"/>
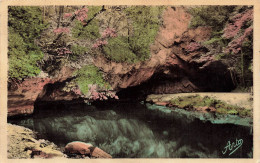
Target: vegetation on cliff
<point x="89" y="75"/>
<point x="73" y="33"/>
<point x="231" y="39"/>
<point x="143" y="25"/>
<point x="25" y="25"/>
<point x="91" y="30"/>
<point x="47" y="38"/>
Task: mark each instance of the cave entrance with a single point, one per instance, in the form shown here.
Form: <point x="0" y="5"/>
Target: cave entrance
<point x="168" y="81"/>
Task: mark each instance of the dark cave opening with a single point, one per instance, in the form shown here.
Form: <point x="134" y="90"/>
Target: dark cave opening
<point x="166" y="80"/>
<point x="212" y="79"/>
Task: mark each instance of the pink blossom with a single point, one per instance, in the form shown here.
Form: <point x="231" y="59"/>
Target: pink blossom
<point x="63" y="51"/>
<point x="99" y="43"/>
<point x="61" y="30"/>
<point x="95" y="95"/>
<point x="235" y="45"/>
<point x="81" y="14"/>
<point x="67" y="15"/>
<point x="232" y="29"/>
<point x="105" y="42"/>
<point x="109" y="32"/>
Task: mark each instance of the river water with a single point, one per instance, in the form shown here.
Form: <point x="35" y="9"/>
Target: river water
<point x="135" y="130"/>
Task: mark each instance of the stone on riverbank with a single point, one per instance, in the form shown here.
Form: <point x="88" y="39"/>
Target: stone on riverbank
<point x="22" y="143"/>
<point x="85" y="149"/>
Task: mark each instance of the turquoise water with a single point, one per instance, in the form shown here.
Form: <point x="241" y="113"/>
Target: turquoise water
<point x="134" y="130"/>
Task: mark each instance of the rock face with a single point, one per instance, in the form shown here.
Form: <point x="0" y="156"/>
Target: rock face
<point x="176" y="65"/>
<point x="85" y="149"/>
<point x="22" y="96"/>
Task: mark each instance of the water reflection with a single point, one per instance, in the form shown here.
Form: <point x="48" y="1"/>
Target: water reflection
<point x="127" y="130"/>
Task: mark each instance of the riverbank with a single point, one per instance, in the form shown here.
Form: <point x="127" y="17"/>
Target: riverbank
<point x="22" y="143"/>
<point x="226" y="103"/>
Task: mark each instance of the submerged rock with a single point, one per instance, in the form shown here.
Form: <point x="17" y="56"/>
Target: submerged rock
<point x="82" y="149"/>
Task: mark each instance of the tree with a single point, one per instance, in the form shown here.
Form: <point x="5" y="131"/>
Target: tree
<point x="25" y="24"/>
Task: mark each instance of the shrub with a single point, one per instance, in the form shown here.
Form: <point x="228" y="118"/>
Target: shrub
<point x="135" y="47"/>
<point x="118" y="50"/>
<point x="146" y="22"/>
<point x="77" y="51"/>
<point x="217" y="40"/>
<point x="87" y="75"/>
<point x="24" y="25"/>
<point x="214" y="16"/>
<point x="22" y="62"/>
<point x="90" y="32"/>
<point x="231" y="37"/>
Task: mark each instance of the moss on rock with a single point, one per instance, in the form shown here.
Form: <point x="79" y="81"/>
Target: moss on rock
<point x="196" y="101"/>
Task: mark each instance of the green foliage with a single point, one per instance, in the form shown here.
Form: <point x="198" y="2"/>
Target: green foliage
<point x="232" y="111"/>
<point x="221" y="107"/>
<point x="220" y="56"/>
<point x="214" y="16"/>
<point x="89" y="74"/>
<point x="217" y="17"/>
<point x="25" y="24"/>
<point x="118" y="50"/>
<point x="92" y="10"/>
<point x="250" y="67"/>
<point x="245" y="112"/>
<point x="27" y="21"/>
<point x="194" y="101"/>
<point x="146" y="22"/>
<point x="135" y="47"/>
<point x="90" y="32"/>
<point x="77" y="51"/>
<point x="217" y="40"/>
<point x="225" y="108"/>
<point x="22" y="63"/>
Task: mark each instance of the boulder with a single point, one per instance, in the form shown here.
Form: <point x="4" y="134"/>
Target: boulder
<point x="78" y="148"/>
<point x="81" y="148"/>
<point x="99" y="153"/>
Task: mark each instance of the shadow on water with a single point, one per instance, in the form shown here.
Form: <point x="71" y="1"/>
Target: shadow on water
<point x="131" y="129"/>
